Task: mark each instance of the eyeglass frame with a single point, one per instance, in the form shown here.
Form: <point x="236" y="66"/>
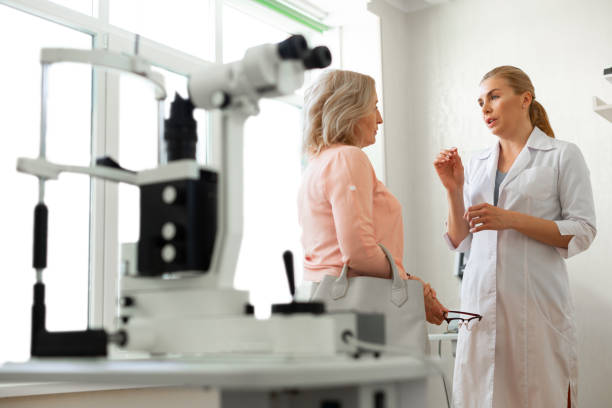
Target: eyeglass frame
<point x="461" y="319"/>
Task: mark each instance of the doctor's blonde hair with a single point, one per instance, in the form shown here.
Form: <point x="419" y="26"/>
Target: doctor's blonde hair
<point x="332" y="107"/>
<point x="520" y="82"/>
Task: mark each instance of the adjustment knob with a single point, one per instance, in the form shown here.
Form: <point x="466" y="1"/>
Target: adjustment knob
<point x="168" y="253"/>
<point x="126" y="301"/>
<point x="168" y="231"/>
<point x="169" y="194"/>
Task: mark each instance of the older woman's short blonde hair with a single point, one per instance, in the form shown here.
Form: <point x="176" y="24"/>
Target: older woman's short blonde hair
<point x="332" y="107"/>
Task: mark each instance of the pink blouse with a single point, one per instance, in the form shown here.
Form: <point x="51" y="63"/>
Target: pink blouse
<point x="345" y="211"/>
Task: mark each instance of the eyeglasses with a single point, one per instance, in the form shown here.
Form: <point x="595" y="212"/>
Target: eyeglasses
<point x="467" y="322"/>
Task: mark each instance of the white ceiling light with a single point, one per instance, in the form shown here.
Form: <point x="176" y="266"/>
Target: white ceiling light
<point x="330" y="12"/>
<point x="409" y="6"/>
<point x="337" y="12"/>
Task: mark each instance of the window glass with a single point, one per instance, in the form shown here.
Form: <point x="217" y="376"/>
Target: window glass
<point x="272" y="173"/>
<point x="236" y="21"/>
<point x="68" y="142"/>
<point x="181" y="24"/>
<point x="138" y="139"/>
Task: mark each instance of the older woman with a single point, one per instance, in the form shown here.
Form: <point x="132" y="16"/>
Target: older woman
<point x="344" y="210"/>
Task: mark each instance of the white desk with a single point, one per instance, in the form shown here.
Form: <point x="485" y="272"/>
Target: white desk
<point x="305" y="382"/>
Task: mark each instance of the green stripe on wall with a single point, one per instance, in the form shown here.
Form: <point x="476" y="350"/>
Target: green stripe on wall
<point x="293" y="15"/>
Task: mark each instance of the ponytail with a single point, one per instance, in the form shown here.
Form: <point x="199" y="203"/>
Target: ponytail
<point x="520" y="82"/>
<point x="539" y="118"/>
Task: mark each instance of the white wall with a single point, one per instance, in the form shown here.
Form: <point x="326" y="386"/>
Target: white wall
<point x="432" y="63"/>
<point x="395" y="115"/>
<point x="360" y="39"/>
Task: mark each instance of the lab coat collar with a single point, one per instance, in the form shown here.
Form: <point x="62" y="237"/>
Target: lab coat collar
<point x="540" y="140"/>
<point x="487" y="152"/>
<point x="537" y="140"/>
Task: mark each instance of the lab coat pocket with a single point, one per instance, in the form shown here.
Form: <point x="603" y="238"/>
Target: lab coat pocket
<point x="549" y="294"/>
<point x="539" y="183"/>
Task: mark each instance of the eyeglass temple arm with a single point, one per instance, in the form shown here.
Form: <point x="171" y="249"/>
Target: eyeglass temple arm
<point x="474" y="316"/>
<point x="465" y="313"/>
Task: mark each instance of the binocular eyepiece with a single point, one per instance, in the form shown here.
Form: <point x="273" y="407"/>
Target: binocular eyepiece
<point x="267" y="70"/>
<point x="296" y="47"/>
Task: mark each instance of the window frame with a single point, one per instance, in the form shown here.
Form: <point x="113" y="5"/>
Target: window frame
<point x="104" y="245"/>
<point x="104" y="202"/>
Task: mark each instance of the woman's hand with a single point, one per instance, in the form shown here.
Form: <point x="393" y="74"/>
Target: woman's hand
<point x="450" y="169"/>
<point x="485" y="216"/>
<point x="434" y="311"/>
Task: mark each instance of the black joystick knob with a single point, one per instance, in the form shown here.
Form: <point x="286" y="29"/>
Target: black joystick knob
<point x="318" y="57"/>
<point x="288" y="260"/>
<point x="293" y="47"/>
<point x="293" y="307"/>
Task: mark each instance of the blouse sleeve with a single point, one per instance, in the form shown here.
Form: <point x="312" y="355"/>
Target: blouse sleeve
<point x="576" y="198"/>
<point x="349" y="186"/>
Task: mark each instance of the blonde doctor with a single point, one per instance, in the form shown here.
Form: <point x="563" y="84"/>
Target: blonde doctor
<point x="521" y="207"/>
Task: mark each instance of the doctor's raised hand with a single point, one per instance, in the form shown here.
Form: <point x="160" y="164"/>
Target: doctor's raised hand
<point x="450" y="169"/>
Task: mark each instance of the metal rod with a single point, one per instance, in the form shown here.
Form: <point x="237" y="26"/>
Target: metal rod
<point x="42" y="152"/>
<point x="136" y="44"/>
<point x="162" y="155"/>
<point x="43" y="111"/>
<point x="41" y="190"/>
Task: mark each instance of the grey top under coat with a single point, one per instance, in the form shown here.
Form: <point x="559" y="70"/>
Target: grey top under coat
<point x="499" y="177"/>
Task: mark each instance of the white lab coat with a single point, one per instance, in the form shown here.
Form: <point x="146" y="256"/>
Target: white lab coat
<point x="523" y="352"/>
